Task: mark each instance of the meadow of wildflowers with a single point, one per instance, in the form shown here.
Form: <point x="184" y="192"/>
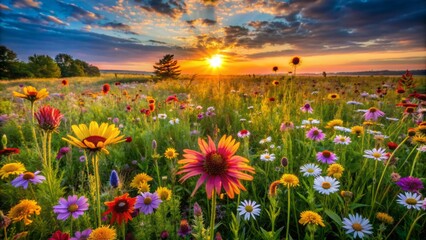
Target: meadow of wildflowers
<point x="235" y="157"/>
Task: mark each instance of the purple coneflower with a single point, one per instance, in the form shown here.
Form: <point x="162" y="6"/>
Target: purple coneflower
<point x="147" y="202"/>
<point x="307" y="108"/>
<point x="315" y="134"/>
<point x="410" y="184"/>
<point x="285" y="126"/>
<point x="326" y="157"/>
<point x="73" y="206"/>
<point x="23" y="179"/>
<point x="243" y="133"/>
<point x="373" y="114"/>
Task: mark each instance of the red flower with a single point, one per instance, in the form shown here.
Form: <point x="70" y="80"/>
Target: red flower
<point x="8" y="151"/>
<point x="151" y="107"/>
<point x="117" y="83"/>
<point x="172" y="98"/>
<point x="48" y="118"/>
<point x="65" y="82"/>
<point x="58" y="235"/>
<point x="392" y="145"/>
<point x="121" y="208"/>
<point x="106" y="88"/>
<point x="129" y="139"/>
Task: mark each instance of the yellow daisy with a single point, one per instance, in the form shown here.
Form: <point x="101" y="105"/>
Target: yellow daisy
<point x="12" y="169"/>
<point x="333" y="96"/>
<point x="104" y="233"/>
<point x="23" y="210"/>
<point x="170" y="153"/>
<point x="95" y="138"/>
<point x="143" y="187"/>
<point x="32" y="94"/>
<point x="335" y="170"/>
<point x="358" y="130"/>
<point x="289" y="180"/>
<point x="164" y="193"/>
<point x="334" y="123"/>
<point x="140" y="178"/>
<point x="384" y="217"/>
<point x="310" y="217"/>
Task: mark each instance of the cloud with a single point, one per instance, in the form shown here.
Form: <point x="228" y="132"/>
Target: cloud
<point x="79" y="13"/>
<point x="26" y="3"/>
<point x="119" y="27"/>
<point x="157" y="42"/>
<point x="201" y="21"/>
<point x="53" y="19"/>
<point x="4" y="7"/>
<point x="171" y="8"/>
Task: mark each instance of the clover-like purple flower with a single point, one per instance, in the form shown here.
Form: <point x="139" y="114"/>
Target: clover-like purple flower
<point x="84" y="235"/>
<point x="410" y="184"/>
<point x="74" y="206"/>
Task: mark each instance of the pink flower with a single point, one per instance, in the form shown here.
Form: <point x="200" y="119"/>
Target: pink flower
<point x="48" y="118"/>
<point x="373" y="114"/>
<point x="315" y="134"/>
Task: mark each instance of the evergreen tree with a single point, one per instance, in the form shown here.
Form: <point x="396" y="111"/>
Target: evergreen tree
<point x="167" y="67"/>
<point x="7" y="59"/>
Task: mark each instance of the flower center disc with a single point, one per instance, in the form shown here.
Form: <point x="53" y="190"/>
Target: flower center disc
<point x="73" y="207"/>
<point x="310" y="170"/>
<point x="373" y="110"/>
<point x="95" y="140"/>
<point x="326" y="185"/>
<point x="215" y="165"/>
<point x="357" y="227"/>
<point x="249" y="208"/>
<point x="147" y="201"/>
<point x="316" y="133"/>
<point x="411" y="201"/>
<point x="121" y="206"/>
<point x="377" y="155"/>
<point x="326" y="153"/>
<point x="28" y="176"/>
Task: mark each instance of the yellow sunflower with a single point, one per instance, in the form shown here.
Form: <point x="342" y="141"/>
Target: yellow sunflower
<point x="32" y="94"/>
<point x="333" y="96"/>
<point x="139" y="179"/>
<point x="289" y="180"/>
<point x="335" y="170"/>
<point x="143" y="187"/>
<point x="23" y="210"/>
<point x="12" y="169"/>
<point x="334" y="123"/>
<point x="95" y="138"/>
<point x="310" y="217"/>
<point x="164" y="193"/>
<point x="358" y="130"/>
<point x="170" y="153"/>
<point x="104" y="233"/>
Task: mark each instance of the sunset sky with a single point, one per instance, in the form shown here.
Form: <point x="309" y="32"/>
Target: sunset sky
<point x="253" y="36"/>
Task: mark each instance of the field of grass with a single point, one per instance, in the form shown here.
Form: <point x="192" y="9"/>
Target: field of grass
<point x="365" y="173"/>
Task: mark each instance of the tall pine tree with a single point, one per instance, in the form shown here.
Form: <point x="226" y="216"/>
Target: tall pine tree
<point x="167" y="67"/>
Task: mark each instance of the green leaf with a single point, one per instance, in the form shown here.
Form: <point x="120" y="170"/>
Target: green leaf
<point x="333" y="216"/>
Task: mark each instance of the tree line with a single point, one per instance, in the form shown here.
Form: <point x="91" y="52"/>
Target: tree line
<point x="43" y="66"/>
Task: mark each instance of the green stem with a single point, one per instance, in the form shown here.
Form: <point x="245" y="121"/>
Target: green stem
<point x="157" y="170"/>
<point x="288" y="214"/>
<point x="5" y="233"/>
<point x="72" y="220"/>
<point x="33" y="129"/>
<point x="123" y="230"/>
<point x="212" y="215"/>
<point x="49" y="149"/>
<point x="95" y="159"/>
<point x="414" y="223"/>
<point x="393" y="229"/>
<point x="414" y="163"/>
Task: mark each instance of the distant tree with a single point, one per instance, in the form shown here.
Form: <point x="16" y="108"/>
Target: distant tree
<point x="93" y="71"/>
<point x="275" y="69"/>
<point x="65" y="63"/>
<point x="21" y="70"/>
<point x="167" y="67"/>
<point x="324" y="74"/>
<point x="75" y="67"/>
<point x="8" y="59"/>
<point x="43" y="66"/>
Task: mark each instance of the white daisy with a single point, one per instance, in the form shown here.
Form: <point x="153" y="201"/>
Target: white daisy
<point x="422" y="148"/>
<point x="268" y="139"/>
<point x="343" y="129"/>
<point x="310" y="169"/>
<point x="310" y="121"/>
<point x="174" y="121"/>
<point x="362" y="110"/>
<point x="267" y="157"/>
<point x="354" y="103"/>
<point x="410" y="200"/>
<point x="340" y="139"/>
<point x="376" y="154"/>
<point x="210" y="109"/>
<point x="357" y="225"/>
<point x="392" y="119"/>
<point x="326" y="185"/>
<point x="364" y="94"/>
<point x="162" y="116"/>
<point x="249" y="209"/>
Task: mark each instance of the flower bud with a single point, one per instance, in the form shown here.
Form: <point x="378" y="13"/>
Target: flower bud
<point x="114" y="181"/>
<point x="4" y="141"/>
<point x="284" y="162"/>
<point x="197" y="210"/>
<point x="154" y="144"/>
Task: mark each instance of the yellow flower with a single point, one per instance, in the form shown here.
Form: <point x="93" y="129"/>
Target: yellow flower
<point x="368" y="123"/>
<point x="335" y="170"/>
<point x="23" y="210"/>
<point x="358" y="130"/>
<point x="419" y="140"/>
<point x="32" y="94"/>
<point x="104" y="233"/>
<point x="143" y="187"/>
<point x="164" y="193"/>
<point x="289" y="180"/>
<point x="333" y="96"/>
<point x="12" y="169"/>
<point x="334" y="123"/>
<point x="310" y="217"/>
<point x="170" y="153"/>
<point x="140" y="178"/>
<point x="95" y="138"/>
<point x="384" y="217"/>
<point x="421" y="129"/>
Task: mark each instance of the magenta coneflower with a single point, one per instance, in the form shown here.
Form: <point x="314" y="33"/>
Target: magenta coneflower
<point x="373" y="114"/>
<point x="73" y="206"/>
<point x="23" y="179"/>
<point x="315" y="134"/>
<point x="285" y="126"/>
<point x="410" y="184"/>
<point x="326" y="157"/>
<point x="307" y="108"/>
<point x="48" y="118"/>
<point x="62" y="152"/>
<point x="147" y="202"/>
<point x="243" y="133"/>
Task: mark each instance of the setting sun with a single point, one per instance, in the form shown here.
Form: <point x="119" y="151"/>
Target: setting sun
<point x="215" y="61"/>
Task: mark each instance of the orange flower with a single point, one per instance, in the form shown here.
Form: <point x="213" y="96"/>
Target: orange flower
<point x="218" y="167"/>
<point x="121" y="208"/>
<point x="106" y="88"/>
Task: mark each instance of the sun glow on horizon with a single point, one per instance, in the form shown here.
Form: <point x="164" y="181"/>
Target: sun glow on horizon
<point x="215" y="61"/>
